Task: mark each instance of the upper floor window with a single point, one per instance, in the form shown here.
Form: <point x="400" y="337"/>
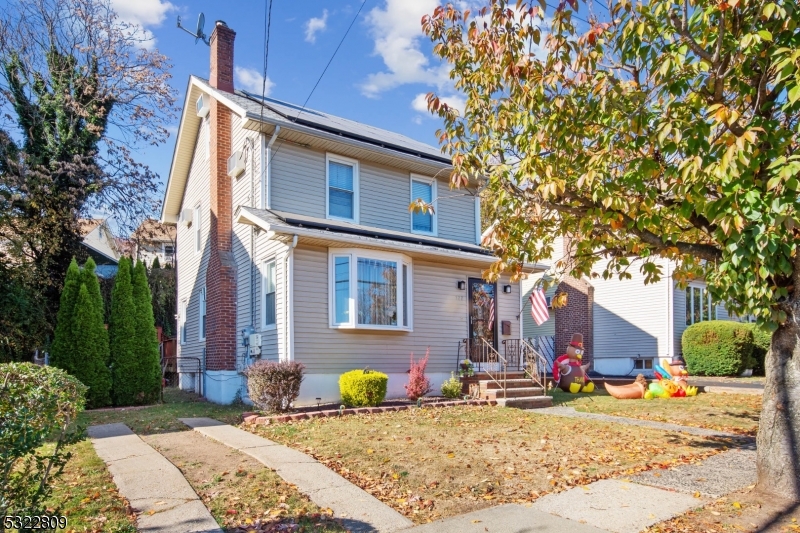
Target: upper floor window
<point x="370" y="290"/>
<point x="423" y="189"/>
<point x="699" y="306"/>
<point x="342" y="189"/>
<point x="203" y="313"/>
<point x="197" y="225"/>
<point x="270" y="294"/>
<point x="182" y="322"/>
<point x="169" y="253"/>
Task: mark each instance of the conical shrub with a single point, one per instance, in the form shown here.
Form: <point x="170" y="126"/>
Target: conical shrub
<point x="125" y="389"/>
<point x="91" y="347"/>
<point x="63" y="348"/>
<point x="147" y="341"/>
<point x="90" y="279"/>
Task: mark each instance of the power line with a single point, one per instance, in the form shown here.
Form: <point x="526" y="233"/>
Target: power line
<point x="267" y="27"/>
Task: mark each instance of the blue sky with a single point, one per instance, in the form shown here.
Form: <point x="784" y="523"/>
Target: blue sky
<point x="379" y="76"/>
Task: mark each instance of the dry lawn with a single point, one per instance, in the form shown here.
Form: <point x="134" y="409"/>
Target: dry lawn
<point x="433" y="463"/>
<point x="739" y="511"/>
<point x="733" y="413"/>
<point x="241" y="493"/>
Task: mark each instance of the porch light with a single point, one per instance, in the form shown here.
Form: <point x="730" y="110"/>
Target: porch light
<point x="507" y="288"/>
<point x="462" y="285"/>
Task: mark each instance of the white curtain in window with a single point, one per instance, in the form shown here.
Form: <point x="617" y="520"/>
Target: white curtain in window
<point x="340" y="192"/>
<point x="269" y="294"/>
<point x="377" y="292"/>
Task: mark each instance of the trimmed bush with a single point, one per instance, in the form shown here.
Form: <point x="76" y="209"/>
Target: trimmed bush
<point x="418" y="383"/>
<point x="37" y="403"/>
<point x="274" y="386"/>
<point x="62" y="351"/>
<point x="761" y="342"/>
<point x="452" y="387"/>
<point x="122" y="338"/>
<point x="148" y="356"/>
<point x="363" y="388"/>
<point x="717" y="348"/>
<point x="91" y="349"/>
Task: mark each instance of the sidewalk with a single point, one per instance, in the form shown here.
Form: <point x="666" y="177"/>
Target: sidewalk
<point x="162" y="498"/>
<point x="358" y="510"/>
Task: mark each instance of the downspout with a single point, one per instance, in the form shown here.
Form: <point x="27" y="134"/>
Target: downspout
<point x="288" y="312"/>
<point x="268" y="168"/>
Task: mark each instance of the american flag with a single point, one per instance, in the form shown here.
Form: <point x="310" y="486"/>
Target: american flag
<point x="539" y="306"/>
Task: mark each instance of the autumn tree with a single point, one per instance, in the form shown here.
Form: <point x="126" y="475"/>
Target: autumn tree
<point x="649" y="133"/>
<point x="78" y="93"/>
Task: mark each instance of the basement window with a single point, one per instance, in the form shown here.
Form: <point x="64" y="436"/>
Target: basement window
<point x="643" y="364"/>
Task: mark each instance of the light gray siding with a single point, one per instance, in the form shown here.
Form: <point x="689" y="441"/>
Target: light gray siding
<point x="439" y="320"/>
<point x="298" y="182"/>
<point x="191" y="266"/>
<point x="529" y="327"/>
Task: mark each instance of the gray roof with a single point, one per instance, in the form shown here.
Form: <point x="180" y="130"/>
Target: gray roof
<point x="277" y="111"/>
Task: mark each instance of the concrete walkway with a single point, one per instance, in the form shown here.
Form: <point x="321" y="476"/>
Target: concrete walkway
<point x="358" y="510"/>
<point x="162" y="498"/>
<point x="570" y="412"/>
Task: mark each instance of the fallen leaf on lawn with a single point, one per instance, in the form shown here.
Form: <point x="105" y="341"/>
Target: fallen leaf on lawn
<point x="737" y="505"/>
<point x="696" y="494"/>
<point x="715" y="513"/>
<point x="451" y="455"/>
<point x="476" y="521"/>
<point x="370" y="451"/>
<point x="160" y="503"/>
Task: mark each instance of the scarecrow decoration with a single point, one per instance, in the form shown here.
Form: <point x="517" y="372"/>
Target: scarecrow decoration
<point x="672" y="382"/>
<point x="568" y="371"/>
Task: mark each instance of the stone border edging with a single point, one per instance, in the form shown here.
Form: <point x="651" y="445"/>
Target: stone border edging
<point x="255" y="419"/>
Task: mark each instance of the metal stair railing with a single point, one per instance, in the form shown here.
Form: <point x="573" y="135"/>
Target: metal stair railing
<point x="535" y="364"/>
<point x="493" y="357"/>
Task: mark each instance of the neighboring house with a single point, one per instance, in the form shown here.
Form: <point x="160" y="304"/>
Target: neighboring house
<point x="295" y="243"/>
<point x="153" y="239"/>
<point x="626" y="325"/>
<point x="101" y="245"/>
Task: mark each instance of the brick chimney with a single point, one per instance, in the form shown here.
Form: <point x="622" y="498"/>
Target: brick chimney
<point x="221" y="274"/>
<point x="222" y="38"/>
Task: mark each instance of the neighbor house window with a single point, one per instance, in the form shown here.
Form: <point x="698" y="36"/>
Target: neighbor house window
<point x="699" y="307"/>
<point x="370" y="290"/>
<point x="270" y="295"/>
<point x="423" y="189"/>
<point x="342" y="188"/>
<point x="198" y="233"/>
<point x="182" y="322"/>
<point x="203" y="313"/>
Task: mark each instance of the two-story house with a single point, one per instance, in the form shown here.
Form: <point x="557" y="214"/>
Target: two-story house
<point x="153" y="240"/>
<point x="295" y="242"/>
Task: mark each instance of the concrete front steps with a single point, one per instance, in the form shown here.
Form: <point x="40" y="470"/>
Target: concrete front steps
<point x="520" y="391"/>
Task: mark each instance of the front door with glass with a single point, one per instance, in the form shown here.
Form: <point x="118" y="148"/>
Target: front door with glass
<point x="482" y="317"/>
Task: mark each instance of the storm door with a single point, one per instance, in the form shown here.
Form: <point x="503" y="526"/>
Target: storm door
<point x="482" y="310"/>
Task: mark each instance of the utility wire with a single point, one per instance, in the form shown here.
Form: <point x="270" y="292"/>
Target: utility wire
<point x="267" y="27"/>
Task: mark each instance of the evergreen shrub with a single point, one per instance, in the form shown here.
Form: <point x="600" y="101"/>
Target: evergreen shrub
<point x="274" y="386"/>
<point x="91" y="350"/>
<point x="149" y="358"/>
<point x="717" y="348"/>
<point x="761" y="343"/>
<point x="122" y="339"/>
<point x="363" y="388"/>
<point x="451" y="388"/>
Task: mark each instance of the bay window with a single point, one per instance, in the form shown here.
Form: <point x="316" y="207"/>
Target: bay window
<point x="370" y="290"/>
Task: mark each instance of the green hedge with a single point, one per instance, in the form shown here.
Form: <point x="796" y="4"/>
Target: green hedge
<point x="363" y="388"/>
<point x="761" y="341"/>
<point x="717" y="348"/>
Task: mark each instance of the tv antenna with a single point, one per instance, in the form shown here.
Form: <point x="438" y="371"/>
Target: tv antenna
<point x="198" y="34"/>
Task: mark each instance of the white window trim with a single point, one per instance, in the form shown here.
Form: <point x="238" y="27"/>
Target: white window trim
<point x="354" y="254"/>
<point x="182" y="311"/>
<point x="264" y="325"/>
<point x="478" y="220"/>
<point x="690" y="302"/>
<point x="356" y="171"/>
<point x="197" y="229"/>
<point x="432" y="182"/>
<point x="201" y="314"/>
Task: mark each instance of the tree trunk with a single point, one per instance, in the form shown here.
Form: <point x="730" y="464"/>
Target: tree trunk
<point x="778" y="441"/>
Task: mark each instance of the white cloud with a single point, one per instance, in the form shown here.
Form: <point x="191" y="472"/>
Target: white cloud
<point x="142" y="13"/>
<point x="456" y="101"/>
<point x="397" y="32"/>
<point x="251" y="80"/>
<point x="315" y="25"/>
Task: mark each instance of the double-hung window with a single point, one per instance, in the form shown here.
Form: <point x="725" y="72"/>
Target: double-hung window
<point x="342" y="188"/>
<point x="423" y="189"/>
<point x="198" y="229"/>
<point x="699" y="306"/>
<point x="270" y="294"/>
<point x="203" y="314"/>
<point x="370" y="290"/>
<point x="182" y="322"/>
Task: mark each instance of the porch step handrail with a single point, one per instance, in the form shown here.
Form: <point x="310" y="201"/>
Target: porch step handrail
<point x="535" y="364"/>
<point x="493" y="356"/>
